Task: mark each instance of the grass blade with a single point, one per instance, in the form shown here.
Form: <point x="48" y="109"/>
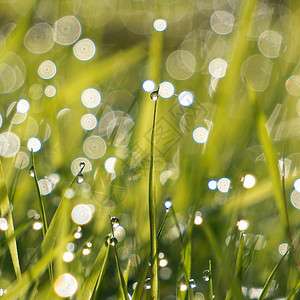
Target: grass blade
<point x="95" y="278"/>
<point x="249" y="257"/>
<point x="272" y="161"/>
<point x="152" y="214"/>
<point x="120" y="273"/>
<point x="21" y="286"/>
<point x="41" y="208"/>
<point x="294" y="291"/>
<point x="271" y="276"/>
<point x="137" y="294"/>
<point x="211" y="290"/>
<point x="10" y="233"/>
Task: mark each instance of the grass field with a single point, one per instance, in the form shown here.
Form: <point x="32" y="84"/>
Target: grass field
<point x="149" y="149"/>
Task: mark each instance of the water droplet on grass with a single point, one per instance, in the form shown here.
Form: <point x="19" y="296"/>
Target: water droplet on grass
<point x="31" y="171"/>
<point x="80" y="178"/>
<point x="147" y="284"/>
<point x="154" y="95"/>
<point x="115" y="222"/>
<point x="192" y="283"/>
<point x="206" y="275"/>
<point x="113" y="241"/>
<point x="82" y="165"/>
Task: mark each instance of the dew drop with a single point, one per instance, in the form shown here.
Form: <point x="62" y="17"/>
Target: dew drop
<point x="80" y="178"/>
<point x="107" y="239"/>
<point x="31" y="171"/>
<point x="115" y="222"/>
<point x="147" y="284"/>
<point x="154" y="95"/>
<point x="182" y="285"/>
<point x="113" y="241"/>
<point x="206" y="275"/>
<point x="192" y="283"/>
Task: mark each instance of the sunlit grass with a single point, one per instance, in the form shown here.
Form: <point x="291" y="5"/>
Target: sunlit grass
<point x="184" y="103"/>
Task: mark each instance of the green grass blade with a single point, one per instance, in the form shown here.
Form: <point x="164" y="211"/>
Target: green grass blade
<point x="294" y="291"/>
<point x="21" y="286"/>
<point x="271" y="158"/>
<point x="137" y="294"/>
<point x="95" y="278"/>
<point x="10" y="233"/>
<point x="211" y="290"/>
<point x="271" y="276"/>
<point x="126" y="273"/>
<point x="12" y="190"/>
<point x="41" y="208"/>
<point x="41" y="204"/>
<point x="238" y="269"/>
<point x="249" y="257"/>
<point x="152" y="214"/>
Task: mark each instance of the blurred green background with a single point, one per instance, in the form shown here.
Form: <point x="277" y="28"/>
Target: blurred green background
<point x="75" y="84"/>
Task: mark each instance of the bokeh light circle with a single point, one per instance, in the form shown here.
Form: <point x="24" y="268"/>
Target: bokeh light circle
<point x="34" y="144"/>
<point x="94" y="147"/>
<point x="160" y="24"/>
<point x="295" y="199"/>
<point x="67" y="30"/>
<point x="50" y="91"/>
<point x="90" y="98"/>
<point x="217" y="68"/>
<point x="269" y="43"/>
<point x="292" y="85"/>
<point x="75" y="165"/>
<point x="81" y="214"/>
<point x="222" y="22"/>
<point x="39" y="38"/>
<point x="166" y="89"/>
<point x="84" y="49"/>
<point x="65" y="285"/>
<point x="9" y="144"/>
<point x="45" y="187"/>
<point x="185" y="98"/>
<point x="88" y="122"/>
<point x="200" y="135"/>
<point x="148" y="86"/>
<point x="181" y="64"/>
<point x="47" y="69"/>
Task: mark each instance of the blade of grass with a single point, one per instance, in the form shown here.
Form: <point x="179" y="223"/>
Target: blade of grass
<point x="238" y="268"/>
<point x="137" y="294"/>
<point x="249" y="257"/>
<point x="41" y="208"/>
<point x="20" y="287"/>
<point x="211" y="290"/>
<point x="152" y="213"/>
<point x="12" y="190"/>
<point x="10" y="232"/>
<point x="294" y="291"/>
<point x="271" y="276"/>
<point x="126" y="273"/>
<point x="120" y="273"/>
<point x="272" y="161"/>
<point x="95" y="278"/>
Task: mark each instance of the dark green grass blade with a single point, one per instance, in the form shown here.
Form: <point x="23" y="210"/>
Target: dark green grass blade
<point x="294" y="291"/>
<point x="238" y="269"/>
<point x="271" y="276"/>
<point x="211" y="290"/>
<point x="40" y="201"/>
<point x="21" y="286"/>
<point x="137" y="294"/>
<point x="152" y="213"/>
<point x="12" y="190"/>
<point x="249" y="257"/>
<point x="95" y="278"/>
<point x="42" y="209"/>
<point x="271" y="157"/>
<point x="10" y="232"/>
<point x="126" y="273"/>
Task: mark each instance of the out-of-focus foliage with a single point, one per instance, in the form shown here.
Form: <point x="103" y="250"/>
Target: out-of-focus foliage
<point x="78" y="85"/>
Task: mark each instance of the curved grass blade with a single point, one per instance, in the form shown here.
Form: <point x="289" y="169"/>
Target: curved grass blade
<point x="137" y="294"/>
<point x="271" y="276"/>
<point x="41" y="204"/>
<point x="126" y="273"/>
<point x="20" y="287"/>
<point x="294" y="291"/>
<point x="12" y="190"/>
<point x="271" y="158"/>
<point x="120" y="273"/>
<point x="238" y="269"/>
<point x="10" y="233"/>
<point x="41" y="208"/>
<point x="249" y="257"/>
<point x="95" y="278"/>
<point x="152" y="213"/>
<point x="211" y="290"/>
